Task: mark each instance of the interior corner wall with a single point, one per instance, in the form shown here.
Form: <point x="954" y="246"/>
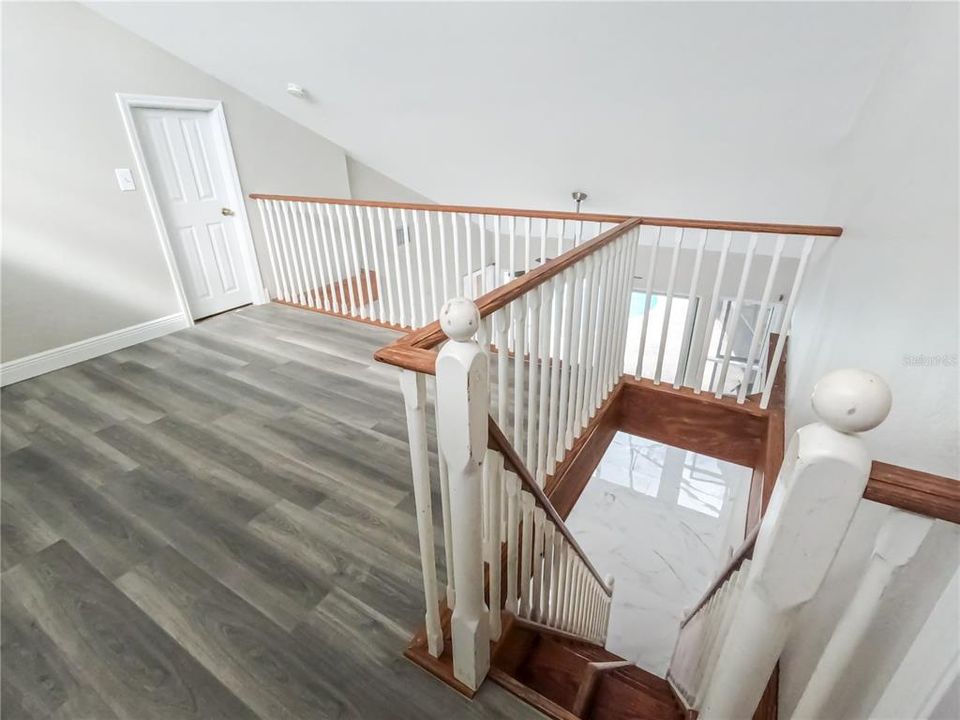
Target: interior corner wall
<point x="80" y="259"/>
<point x="368" y="184"/>
<point x="885" y="297"/>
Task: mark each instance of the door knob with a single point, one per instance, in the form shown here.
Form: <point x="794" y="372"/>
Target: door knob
<point x="226" y="211"/>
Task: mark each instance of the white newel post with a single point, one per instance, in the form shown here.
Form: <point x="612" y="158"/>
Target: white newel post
<point x="821" y="482"/>
<point x="462" y="408"/>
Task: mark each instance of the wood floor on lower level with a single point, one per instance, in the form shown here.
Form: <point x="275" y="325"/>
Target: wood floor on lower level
<point x="217" y="524"/>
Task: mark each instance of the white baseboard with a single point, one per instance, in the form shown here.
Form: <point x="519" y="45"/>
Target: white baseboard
<point x="43" y="362"/>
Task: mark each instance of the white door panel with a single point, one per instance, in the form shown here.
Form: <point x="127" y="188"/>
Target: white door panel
<point x="183" y="157"/>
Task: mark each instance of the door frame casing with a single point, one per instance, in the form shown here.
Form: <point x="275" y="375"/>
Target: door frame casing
<point x="227" y="164"/>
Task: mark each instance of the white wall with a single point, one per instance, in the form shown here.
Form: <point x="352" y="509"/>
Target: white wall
<point x="885" y="292"/>
<point x="888" y="289"/>
<point x="80" y="258"/>
<point x="368" y="184"/>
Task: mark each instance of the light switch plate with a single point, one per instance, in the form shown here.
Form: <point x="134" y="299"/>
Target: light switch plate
<point x="125" y="179"/>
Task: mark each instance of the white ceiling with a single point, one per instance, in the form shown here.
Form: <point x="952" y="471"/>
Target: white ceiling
<point x="714" y="109"/>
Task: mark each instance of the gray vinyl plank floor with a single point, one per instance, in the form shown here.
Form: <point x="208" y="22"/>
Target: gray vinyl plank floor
<point x="217" y="524"/>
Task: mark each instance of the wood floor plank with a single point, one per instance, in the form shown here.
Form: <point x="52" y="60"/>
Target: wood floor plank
<point x="278" y="585"/>
<point x="117" y="650"/>
<point x="257" y="660"/>
<point x="218" y="523"/>
<point x="22" y="532"/>
<point x="234" y="453"/>
<point x="99" y="528"/>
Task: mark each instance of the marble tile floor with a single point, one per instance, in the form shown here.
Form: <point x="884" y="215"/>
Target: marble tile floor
<point x="663" y="521"/>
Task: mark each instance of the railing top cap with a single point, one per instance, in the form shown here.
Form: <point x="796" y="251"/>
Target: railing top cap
<point x="459" y="319"/>
<point x="851" y="400"/>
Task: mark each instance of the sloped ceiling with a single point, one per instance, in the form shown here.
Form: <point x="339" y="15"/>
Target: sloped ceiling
<point x="717" y="109"/>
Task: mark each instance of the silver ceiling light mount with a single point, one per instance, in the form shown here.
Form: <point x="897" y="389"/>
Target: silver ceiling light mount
<point x="578" y="197"/>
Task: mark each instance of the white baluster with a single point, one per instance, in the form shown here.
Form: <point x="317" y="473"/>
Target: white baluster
<point x="457" y="258"/>
<point x="555" y="579"/>
<point x="533" y="300"/>
<point x="482" y="224"/>
<point x="605" y="324"/>
<point x="519" y="316"/>
<point x="576" y="357"/>
<point x="735" y="313"/>
<point x="683" y="362"/>
<point x="543" y="395"/>
<point x="646" y="301"/>
<point x="546" y="584"/>
<point x="589" y="330"/>
<point x="494" y="466"/>
<point x="434" y="302"/>
<point x="537" y="566"/>
<point x="502" y="326"/>
<point x="329" y="247"/>
<point x="322" y="264"/>
<point x="408" y="262"/>
<point x="357" y="269"/>
<point x="303" y="239"/>
<point x="562" y="367"/>
<point x="513" y="246"/>
<point x="611" y="278"/>
<point x="760" y="325"/>
<point x="497" y="253"/>
<point x="270" y="246"/>
<point x="291" y="241"/>
<point x="528" y="249"/>
<point x="785" y="322"/>
<point x="674" y="263"/>
<point x="421" y="269"/>
<point x="447" y="530"/>
<point x="513" y="539"/>
<point x="377" y="309"/>
<point x="414" y="395"/>
<point x="526" y="551"/>
<point x="547" y="451"/>
<point x="825" y="470"/>
<point x="704" y="347"/>
<point x="444" y="273"/>
<point x="388" y="281"/>
<point x="471" y="293"/>
<point x="362" y="242"/>
<point x="349" y="262"/>
<point x="282" y="262"/>
<point x="462" y="408"/>
<point x="543" y="242"/>
<point x="617" y="369"/>
<point x="607" y="603"/>
<point x="562" y="581"/>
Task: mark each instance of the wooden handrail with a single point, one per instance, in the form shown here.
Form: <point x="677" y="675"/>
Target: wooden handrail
<point x="733" y="564"/>
<point x="498" y="441"/>
<point x="915" y="491"/>
<point x="732" y="225"/>
<point x="404" y="352"/>
<point x="473" y="209"/>
<point x="738" y="226"/>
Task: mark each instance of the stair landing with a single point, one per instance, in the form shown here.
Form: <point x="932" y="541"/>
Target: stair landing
<point x="569" y="680"/>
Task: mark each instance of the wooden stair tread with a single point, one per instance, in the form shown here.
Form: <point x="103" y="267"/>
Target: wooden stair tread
<point x="618" y="699"/>
<point x="553" y="671"/>
<point x="549" y="672"/>
<point x="633" y="675"/>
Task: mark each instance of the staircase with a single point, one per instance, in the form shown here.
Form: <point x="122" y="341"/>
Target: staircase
<point x="565" y="678"/>
<point x="526" y="385"/>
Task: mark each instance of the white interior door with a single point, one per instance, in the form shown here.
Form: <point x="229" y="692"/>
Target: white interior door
<point x="184" y="156"/>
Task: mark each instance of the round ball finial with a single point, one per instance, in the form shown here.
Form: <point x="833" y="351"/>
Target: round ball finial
<point x="610" y="580"/>
<point x="851" y="400"/>
<point x="459" y="319"/>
